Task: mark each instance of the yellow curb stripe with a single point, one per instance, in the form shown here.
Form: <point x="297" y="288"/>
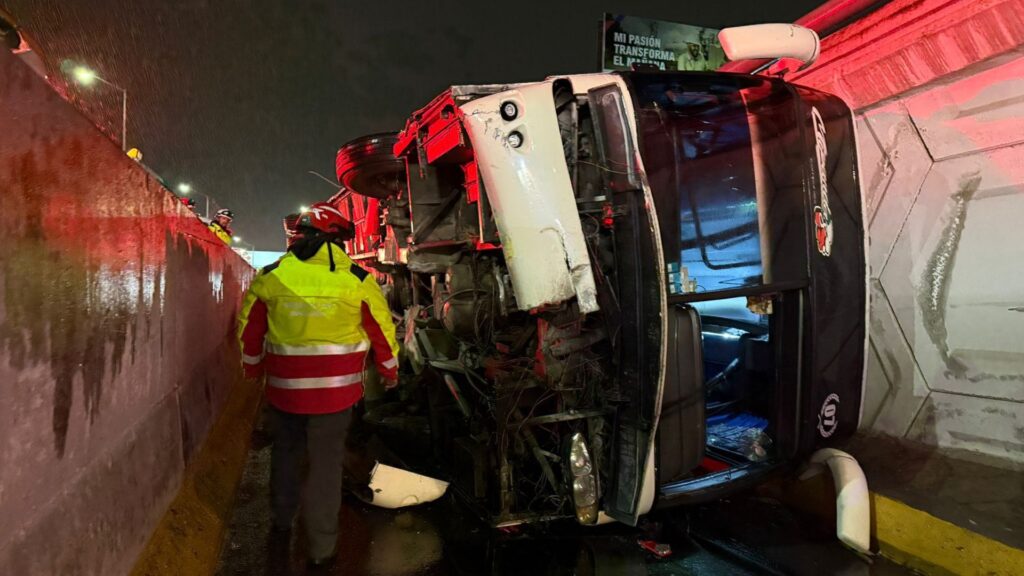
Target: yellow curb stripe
<point x="934" y="546"/>
<point x="189" y="537"/>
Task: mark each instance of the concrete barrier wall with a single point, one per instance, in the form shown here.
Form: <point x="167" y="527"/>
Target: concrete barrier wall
<point x="116" y="339"/>
<point x="938" y="86"/>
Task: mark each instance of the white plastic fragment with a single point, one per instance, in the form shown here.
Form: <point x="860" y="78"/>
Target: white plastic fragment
<point x="396" y="488"/>
<point x="853" y="502"/>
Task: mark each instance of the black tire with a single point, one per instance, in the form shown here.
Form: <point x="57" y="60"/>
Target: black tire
<point x="368" y="166"/>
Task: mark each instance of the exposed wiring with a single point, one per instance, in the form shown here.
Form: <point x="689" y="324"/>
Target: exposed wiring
<point x="605" y="168"/>
<point x="464" y="291"/>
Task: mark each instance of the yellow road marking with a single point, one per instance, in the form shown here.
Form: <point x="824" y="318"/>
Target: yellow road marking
<point x="934" y="546"/>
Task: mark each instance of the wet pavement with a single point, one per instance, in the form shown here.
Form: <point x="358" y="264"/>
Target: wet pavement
<point x="977" y="492"/>
<point x="743" y="535"/>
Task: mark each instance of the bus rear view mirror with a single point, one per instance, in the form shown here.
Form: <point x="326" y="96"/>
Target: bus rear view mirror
<point x="771" y="41"/>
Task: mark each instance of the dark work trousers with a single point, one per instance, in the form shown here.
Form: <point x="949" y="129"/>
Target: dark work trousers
<point x="321" y="437"/>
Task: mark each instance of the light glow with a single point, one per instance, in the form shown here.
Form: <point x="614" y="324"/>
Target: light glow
<point x="83" y="75"/>
<point x="184" y="188"/>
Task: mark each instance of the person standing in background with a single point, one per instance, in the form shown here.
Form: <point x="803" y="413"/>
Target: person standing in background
<point x="221" y="225"/>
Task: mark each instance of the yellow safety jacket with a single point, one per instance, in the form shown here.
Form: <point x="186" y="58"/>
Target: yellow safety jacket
<point x="310" y="330"/>
<point x="220" y="232"/>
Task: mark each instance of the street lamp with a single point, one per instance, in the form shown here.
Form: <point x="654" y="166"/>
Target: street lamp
<point x="185" y="189"/>
<point x="303" y="209"/>
<point x="324" y="178"/>
<point x="243" y="249"/>
<point x="237" y="241"/>
<point x="87" y="77"/>
<point x="83" y="75"/>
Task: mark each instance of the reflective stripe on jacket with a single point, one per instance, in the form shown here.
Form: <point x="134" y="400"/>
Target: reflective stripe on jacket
<point x="310" y="330"/>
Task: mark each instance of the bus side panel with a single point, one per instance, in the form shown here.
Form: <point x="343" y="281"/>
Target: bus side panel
<point x="838" y="294"/>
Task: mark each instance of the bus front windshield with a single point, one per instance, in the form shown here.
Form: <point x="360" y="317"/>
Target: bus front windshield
<point x="700" y="142"/>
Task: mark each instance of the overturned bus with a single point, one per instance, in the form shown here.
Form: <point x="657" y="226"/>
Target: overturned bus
<point x="619" y="291"/>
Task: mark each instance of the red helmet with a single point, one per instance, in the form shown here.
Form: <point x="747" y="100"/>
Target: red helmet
<point x="325" y="218"/>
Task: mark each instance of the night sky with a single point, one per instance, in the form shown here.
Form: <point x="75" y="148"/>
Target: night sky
<point x="242" y="99"/>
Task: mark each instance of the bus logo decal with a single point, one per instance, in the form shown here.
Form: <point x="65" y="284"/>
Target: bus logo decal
<point x="822" y="213"/>
<point x="828" y="421"/>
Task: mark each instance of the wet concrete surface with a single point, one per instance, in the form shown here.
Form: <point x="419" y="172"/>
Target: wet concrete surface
<point x="117" y="343"/>
<point x="975" y="491"/>
<point x="743" y="535"/>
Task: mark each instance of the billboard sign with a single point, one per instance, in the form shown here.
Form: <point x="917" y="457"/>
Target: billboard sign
<point x="629" y="40"/>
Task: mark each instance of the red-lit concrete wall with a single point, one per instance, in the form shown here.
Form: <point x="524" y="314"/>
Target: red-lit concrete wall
<point x="116" y="339"/>
<point x="938" y="86"/>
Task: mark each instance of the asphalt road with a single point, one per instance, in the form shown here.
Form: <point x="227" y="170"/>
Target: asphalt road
<point x="743" y="535"/>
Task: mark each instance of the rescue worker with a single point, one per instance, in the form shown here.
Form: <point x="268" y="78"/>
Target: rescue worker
<point x="261" y="436"/>
<point x="309" y="321"/>
<point x="221" y="225"/>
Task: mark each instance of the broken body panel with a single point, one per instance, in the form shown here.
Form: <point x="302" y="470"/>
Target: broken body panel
<point x="575" y="259"/>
